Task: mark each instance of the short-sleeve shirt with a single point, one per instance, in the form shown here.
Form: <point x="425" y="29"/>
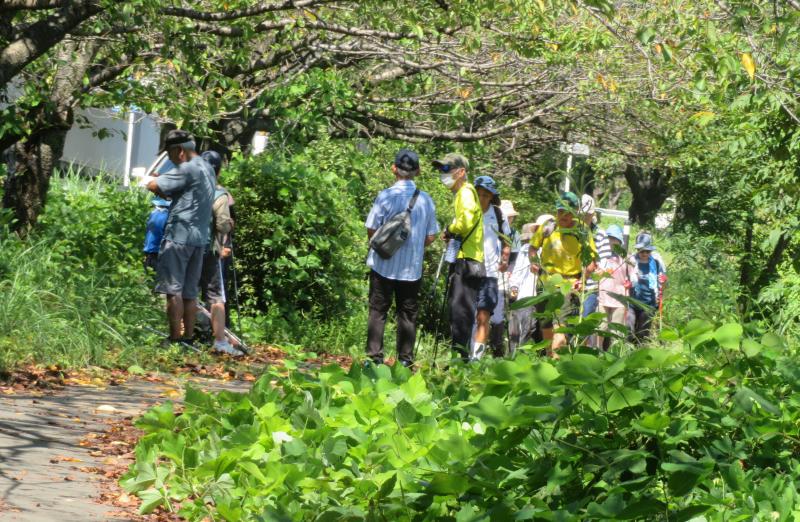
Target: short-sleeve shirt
<point x="191" y="187"/>
<point x="561" y="252"/>
<point x="492" y="245"/>
<point x="645" y="288"/>
<point x="613" y="282"/>
<point x="406" y="263"/>
<point x="604" y="251"/>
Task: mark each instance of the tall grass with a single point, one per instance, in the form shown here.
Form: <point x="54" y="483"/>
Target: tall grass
<point x="73" y="293"/>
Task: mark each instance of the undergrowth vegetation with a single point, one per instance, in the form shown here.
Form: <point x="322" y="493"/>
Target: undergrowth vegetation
<point x="73" y="293"/>
<point x="704" y="425"/>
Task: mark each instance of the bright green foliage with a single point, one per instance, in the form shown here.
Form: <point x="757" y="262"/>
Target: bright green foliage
<point x="296" y="233"/>
<point x="706" y="425"/>
<point x="76" y="289"/>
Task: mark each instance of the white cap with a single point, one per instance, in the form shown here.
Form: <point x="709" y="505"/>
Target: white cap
<point x="587" y="204"/>
<point x="508" y="208"/>
<point x="544" y="218"/>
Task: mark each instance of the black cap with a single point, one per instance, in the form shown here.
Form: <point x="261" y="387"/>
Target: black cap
<point x="176" y="137"/>
<point x="407" y="160"/>
<point x="214" y="159"/>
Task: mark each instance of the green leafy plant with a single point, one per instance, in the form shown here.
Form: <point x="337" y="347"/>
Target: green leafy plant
<point x="704" y="425"/>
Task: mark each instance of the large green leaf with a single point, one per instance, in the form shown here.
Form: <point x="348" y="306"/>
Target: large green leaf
<point x="729" y="335"/>
<point x="624" y="398"/>
<point x="491" y="410"/>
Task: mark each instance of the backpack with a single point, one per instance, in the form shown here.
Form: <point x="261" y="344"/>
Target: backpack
<point x="218" y="193"/>
<point x="388" y="239"/>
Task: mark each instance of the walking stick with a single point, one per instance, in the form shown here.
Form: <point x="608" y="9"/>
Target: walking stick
<point x="236" y="292"/>
<point x="431" y="298"/>
<point x="505" y="312"/>
<point x="439" y="319"/>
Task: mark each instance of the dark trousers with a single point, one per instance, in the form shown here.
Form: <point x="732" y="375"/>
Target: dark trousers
<point x="639" y="323"/>
<point x="463" y="306"/>
<point x="382" y="291"/>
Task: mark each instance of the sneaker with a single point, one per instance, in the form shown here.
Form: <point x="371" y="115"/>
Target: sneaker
<point x="478" y="350"/>
<point x="226" y="347"/>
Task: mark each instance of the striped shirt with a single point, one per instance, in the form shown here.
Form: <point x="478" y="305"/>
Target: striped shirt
<point x="406" y="263"/>
<point x="603" y="252"/>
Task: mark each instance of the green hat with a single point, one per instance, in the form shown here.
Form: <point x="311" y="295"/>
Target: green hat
<point x="451" y="161"/>
<point x="568" y="201"/>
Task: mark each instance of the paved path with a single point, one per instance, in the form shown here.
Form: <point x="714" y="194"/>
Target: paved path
<point x="40" y="455"/>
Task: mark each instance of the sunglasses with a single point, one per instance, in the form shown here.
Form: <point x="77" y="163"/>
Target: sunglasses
<point x="445" y="168"/>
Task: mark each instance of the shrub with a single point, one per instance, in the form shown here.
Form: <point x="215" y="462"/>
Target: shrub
<point x="75" y="290"/>
<point x="297" y="240"/>
<point x="705" y="425"/>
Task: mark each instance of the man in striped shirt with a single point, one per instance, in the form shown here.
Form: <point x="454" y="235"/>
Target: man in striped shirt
<point x="399" y="277"/>
<point x="603" y="245"/>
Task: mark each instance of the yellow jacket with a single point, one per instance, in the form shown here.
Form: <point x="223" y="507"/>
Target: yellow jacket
<point x="561" y="252"/>
<point x="468" y="216"/>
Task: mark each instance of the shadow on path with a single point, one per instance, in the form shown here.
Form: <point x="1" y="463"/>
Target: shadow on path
<point x="40" y="454"/>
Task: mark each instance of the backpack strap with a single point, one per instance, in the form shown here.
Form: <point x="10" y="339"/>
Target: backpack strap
<point x="498" y="214"/>
<point x="413" y="201"/>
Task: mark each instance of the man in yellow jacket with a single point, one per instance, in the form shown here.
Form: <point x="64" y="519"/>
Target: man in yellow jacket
<point x="561" y="251"/>
<point x="467" y="270"/>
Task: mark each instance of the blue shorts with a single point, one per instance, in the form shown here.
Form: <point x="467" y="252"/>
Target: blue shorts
<point x="488" y="294"/>
<point x="590" y="303"/>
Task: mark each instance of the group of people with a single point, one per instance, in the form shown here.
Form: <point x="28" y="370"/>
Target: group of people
<point x="490" y="263"/>
<point x="188" y="239"/>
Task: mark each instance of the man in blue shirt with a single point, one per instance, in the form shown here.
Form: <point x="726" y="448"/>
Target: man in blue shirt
<point x="398" y="278"/>
<point x="191" y="187"/>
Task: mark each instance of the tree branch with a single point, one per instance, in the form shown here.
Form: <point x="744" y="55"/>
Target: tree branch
<point x="28" y="5"/>
<point x="41" y="36"/>
<point x="400" y="130"/>
<point x="256" y="10"/>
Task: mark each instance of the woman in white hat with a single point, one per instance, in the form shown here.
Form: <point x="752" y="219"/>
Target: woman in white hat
<point x="522" y="324"/>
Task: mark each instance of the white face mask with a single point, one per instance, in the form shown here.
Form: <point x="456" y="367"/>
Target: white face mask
<point x="447" y="180"/>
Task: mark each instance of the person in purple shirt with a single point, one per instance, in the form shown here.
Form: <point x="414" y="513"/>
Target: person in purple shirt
<point x="398" y="278"/>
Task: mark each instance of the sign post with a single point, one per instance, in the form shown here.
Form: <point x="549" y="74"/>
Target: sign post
<point x="572" y="149"/>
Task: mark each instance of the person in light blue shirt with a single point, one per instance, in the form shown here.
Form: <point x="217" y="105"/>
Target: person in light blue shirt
<point x="154" y="231"/>
<point x="399" y="277"/>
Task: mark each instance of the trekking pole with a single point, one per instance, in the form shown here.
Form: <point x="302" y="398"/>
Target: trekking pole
<point x="236" y="292"/>
<point x="432" y="296"/>
<point x="439" y="319"/>
<point x="505" y="312"/>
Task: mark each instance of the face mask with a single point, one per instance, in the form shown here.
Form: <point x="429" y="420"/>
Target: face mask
<point x="447" y="180"/>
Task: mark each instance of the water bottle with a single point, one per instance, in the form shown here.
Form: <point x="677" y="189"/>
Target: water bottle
<point x="453" y="247"/>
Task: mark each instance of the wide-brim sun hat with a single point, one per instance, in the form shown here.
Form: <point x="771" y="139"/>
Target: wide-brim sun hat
<point x="616" y="232"/>
<point x="487" y="183"/>
<point x="644" y="242"/>
<point x="508" y="208"/>
<point x="587" y="204"/>
<point x="543" y="219"/>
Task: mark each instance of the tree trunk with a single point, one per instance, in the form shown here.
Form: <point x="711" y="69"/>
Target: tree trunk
<point x="25" y="190"/>
<point x="649" y="190"/>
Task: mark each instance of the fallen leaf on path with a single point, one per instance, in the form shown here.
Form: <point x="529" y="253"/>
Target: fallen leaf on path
<point x="60" y="458"/>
